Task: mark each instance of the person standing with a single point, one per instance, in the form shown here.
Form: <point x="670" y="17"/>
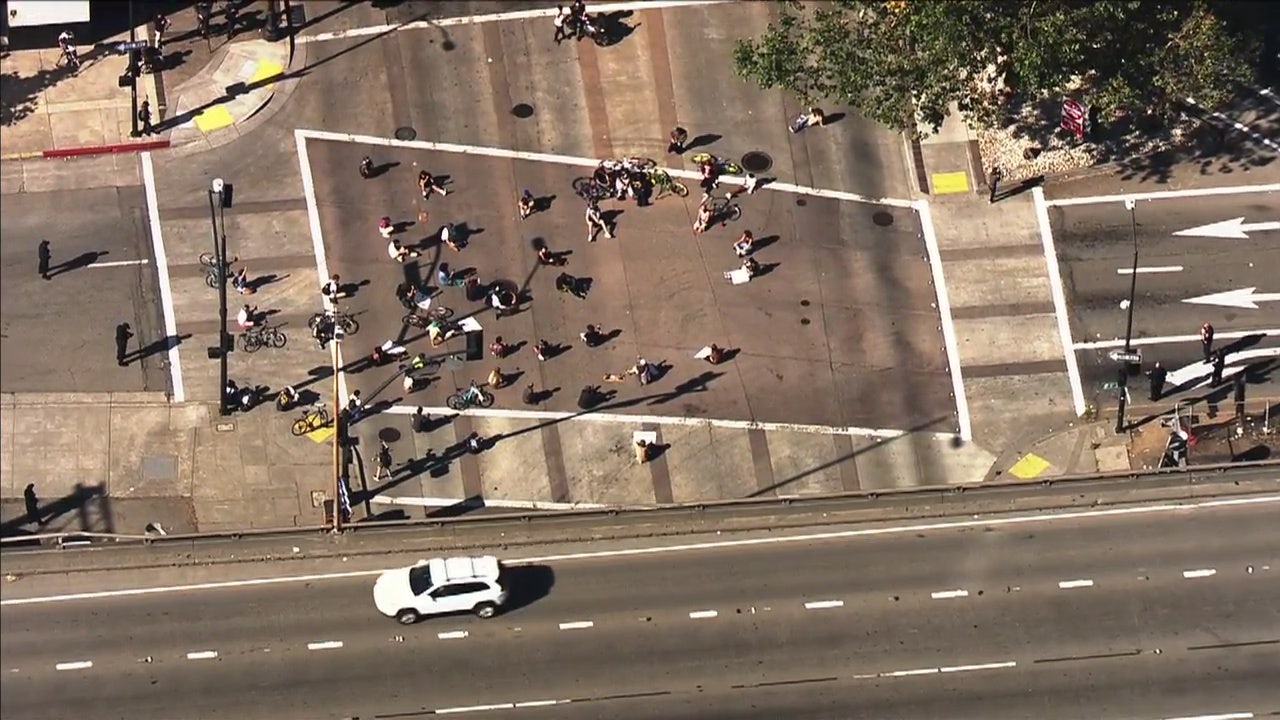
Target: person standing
<point x="1206" y="341"/>
<point x="591" y="337"/>
<point x="332" y="290"/>
<point x="1158" y="376"/>
<point x="355" y="406"/>
<point x="679" y="137"/>
<point x="160" y="25"/>
<point x="123" y="335"/>
<point x="232" y="15"/>
<point x="642" y="451"/>
<point x="562" y="16"/>
<point x="996" y="176"/>
<point x="530" y="396"/>
<point x="33" y="504"/>
<point x="596" y="223"/>
<point x="1219" y="365"/>
<point x="144" y="118"/>
<point x="383" y="470"/>
<point x="45" y="258"/>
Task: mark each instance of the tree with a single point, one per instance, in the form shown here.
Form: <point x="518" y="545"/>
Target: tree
<point x="906" y="60"/>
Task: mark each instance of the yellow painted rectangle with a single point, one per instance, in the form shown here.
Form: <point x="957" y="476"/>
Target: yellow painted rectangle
<point x="1030" y="466"/>
<point x="214" y="118"/>
<point x="322" y="435"/>
<point x="950" y="182"/>
<point x="266" y="69"/>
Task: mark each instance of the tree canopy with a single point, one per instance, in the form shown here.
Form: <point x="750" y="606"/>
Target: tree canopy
<point x="902" y="59"/>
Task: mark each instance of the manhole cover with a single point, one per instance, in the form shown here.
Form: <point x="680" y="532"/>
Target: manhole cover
<point x="406" y="133"/>
<point x="882" y="218"/>
<point x="388" y="435"/>
<point x="804" y="321"/>
<point x="756" y="162"/>
<point x="801" y="202"/>
<point x="522" y="111"/>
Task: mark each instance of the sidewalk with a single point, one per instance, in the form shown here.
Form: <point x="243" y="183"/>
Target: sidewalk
<point x="204" y="94"/>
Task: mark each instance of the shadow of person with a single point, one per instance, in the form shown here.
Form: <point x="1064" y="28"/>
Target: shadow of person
<point x="702" y="140"/>
<point x="83" y="260"/>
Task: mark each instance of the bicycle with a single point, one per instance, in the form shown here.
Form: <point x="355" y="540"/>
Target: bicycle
<point x="210" y="263"/>
<point x="421" y="320"/>
<point x="662" y="183"/>
<point x="340" y="319"/>
<point x="590" y="190"/>
<point x="723" y="167"/>
<point x="256" y="338"/>
<point x="473" y="396"/>
<point x="314" y="418"/>
<point x="723" y="211"/>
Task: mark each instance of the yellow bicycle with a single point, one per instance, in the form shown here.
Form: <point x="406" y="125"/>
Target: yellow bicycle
<point x="313" y="419"/>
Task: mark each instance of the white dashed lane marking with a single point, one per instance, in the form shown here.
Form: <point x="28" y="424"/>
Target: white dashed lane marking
<point x="579" y="625"/>
<point x="1206" y="572"/>
<point x="452" y="635"/>
<point x="703" y="614"/>
<point x="936" y="670"/>
<point x="327" y="645"/>
<point x="1068" y="584"/>
<point x="202" y="655"/>
<point x="947" y="594"/>
<point x="77" y="665"/>
<point x="823" y="604"/>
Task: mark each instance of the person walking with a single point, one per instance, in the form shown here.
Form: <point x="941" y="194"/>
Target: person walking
<point x="247" y="317"/>
<point x="383" y="470"/>
<point x="241" y="282"/>
<point x="332" y="290"/>
<point x="996" y="175"/>
<point x="160" y="24"/>
<point x="1206" y="341"/>
<point x="1219" y="365"/>
<point x="385" y="227"/>
<point x="46" y="256"/>
<point x="750" y="184"/>
<point x="561" y="17"/>
<point x="32" y="503"/>
<point x="144" y="118"/>
<point x="123" y="335"/>
<point x="355" y="406"/>
<point x="1158" y="376"/>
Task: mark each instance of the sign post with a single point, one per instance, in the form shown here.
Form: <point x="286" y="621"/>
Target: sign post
<point x="1074" y="118"/>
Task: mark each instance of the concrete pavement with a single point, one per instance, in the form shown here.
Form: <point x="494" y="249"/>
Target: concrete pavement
<point x="963" y="620"/>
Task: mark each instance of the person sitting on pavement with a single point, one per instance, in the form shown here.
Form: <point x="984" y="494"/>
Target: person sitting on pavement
<point x="439" y="332"/>
<point x="449" y="236"/>
<point x="247" y="317"/>
<point x="743" y="247"/>
<point x="398" y="252"/>
<point x="751" y="266"/>
<point x="703" y="221"/>
<point x="502" y="300"/>
<point x="386" y="352"/>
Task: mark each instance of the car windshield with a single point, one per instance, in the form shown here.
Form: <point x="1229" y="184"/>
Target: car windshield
<point x="419" y="579"/>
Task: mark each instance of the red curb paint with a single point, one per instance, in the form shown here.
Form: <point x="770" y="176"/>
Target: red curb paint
<point x="106" y="149"/>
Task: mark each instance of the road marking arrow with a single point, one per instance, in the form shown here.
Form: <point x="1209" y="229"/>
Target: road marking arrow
<point x="1242" y="298"/>
<point x="1234" y="228"/>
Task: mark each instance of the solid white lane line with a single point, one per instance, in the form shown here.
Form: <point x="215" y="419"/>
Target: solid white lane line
<point x="77" y="665"/>
<point x="162" y="278"/>
<point x="507" y="504"/>
<point x="605" y="8"/>
<point x="1166" y="195"/>
<point x="452" y="635"/>
<point x="541" y="703"/>
<point x="1051" y="516"/>
<point x="908" y="673"/>
<point x="1222" y="716"/>
<point x="1152" y="269"/>
<point x="823" y="604"/>
<point x="578" y="625"/>
<point x="949" y="338"/>
<point x="703" y="614"/>
<point x="1068" y="584"/>
<point x="1059" y="298"/>
<point x="1206" y="572"/>
<point x="474" y="708"/>
<point x="118" y="263"/>
<point x="326" y="645"/>
<point x="1172" y="339"/>
<point x="948" y="594"/>
<point x="982" y="666"/>
<point x="202" y="655"/>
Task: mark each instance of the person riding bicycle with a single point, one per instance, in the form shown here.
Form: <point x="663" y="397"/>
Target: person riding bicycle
<point x="67" y="45"/>
<point x="473" y="395"/>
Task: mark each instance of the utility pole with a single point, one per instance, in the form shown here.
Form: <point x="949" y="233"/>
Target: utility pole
<point x="338" y="490"/>
<point x="135" y="69"/>
<point x="220" y="191"/>
<point x="1128" y="329"/>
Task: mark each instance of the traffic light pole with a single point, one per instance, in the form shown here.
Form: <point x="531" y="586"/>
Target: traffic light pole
<point x="217" y="217"/>
<point x="134" y="71"/>
<point x="1128" y="328"/>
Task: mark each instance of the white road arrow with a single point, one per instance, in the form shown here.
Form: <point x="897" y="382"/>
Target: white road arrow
<point x="1234" y="228"/>
<point x="1242" y="298"/>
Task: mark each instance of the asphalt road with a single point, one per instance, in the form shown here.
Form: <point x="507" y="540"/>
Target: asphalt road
<point x="1095" y="249"/>
<point x="1162" y="614"/>
<point x="59" y="334"/>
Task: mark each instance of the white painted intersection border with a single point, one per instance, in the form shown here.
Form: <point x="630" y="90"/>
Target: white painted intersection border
<point x="1173" y="339"/>
<point x="497" y="17"/>
<point x="1059" y="300"/>
<point x="1164" y="195"/>
<point x="162" y="278"/>
<point x="1052" y="516"/>
<point x="949" y="341"/>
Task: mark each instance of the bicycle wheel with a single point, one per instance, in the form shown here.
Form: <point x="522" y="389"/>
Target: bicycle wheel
<point x="588" y="189"/>
<point x="321" y="418"/>
<point x="455" y="402"/>
<point x="415" y="320"/>
<point x="486" y="399"/>
<point x="733" y="212"/>
<point x="300" y="427"/>
<point x="349" y="325"/>
<point x="678" y="188"/>
<point x="729" y="168"/>
<point x="211" y="279"/>
<point x="440" y="312"/>
<point x="277" y="338"/>
<point x="642" y="163"/>
<point x="701" y="158"/>
<point x="251" y="342"/>
<point x="208" y="260"/>
<point x="314" y="320"/>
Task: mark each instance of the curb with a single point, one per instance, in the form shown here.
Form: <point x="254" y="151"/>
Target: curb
<point x="103" y="149"/>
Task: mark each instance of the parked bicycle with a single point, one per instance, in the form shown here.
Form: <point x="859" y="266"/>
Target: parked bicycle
<point x="313" y="418"/>
<point x="662" y="184"/>
<point x="256" y="338"/>
<point x="210" y="263"/>
<point x="723" y="210"/>
<point x="722" y="166"/>
<point x="474" y="396"/>
<point x="337" y="318"/>
<point x="590" y="190"/>
<point x="421" y="320"/>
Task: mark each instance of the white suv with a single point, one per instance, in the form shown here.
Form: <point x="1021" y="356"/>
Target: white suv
<point x="439" y="586"/>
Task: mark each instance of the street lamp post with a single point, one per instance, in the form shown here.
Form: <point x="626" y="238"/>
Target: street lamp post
<point x="338" y="490"/>
<point x="217" y="217"/>
<point x="1128" y="328"/>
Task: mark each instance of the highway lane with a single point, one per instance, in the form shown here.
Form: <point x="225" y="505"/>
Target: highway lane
<point x="871" y="610"/>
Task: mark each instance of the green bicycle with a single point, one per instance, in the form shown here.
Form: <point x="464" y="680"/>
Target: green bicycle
<point x="663" y="183"/>
<point x="723" y="167"/>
